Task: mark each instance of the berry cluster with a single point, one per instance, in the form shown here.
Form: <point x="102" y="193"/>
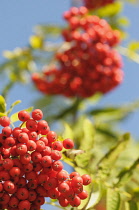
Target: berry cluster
<point x="90" y="64"/>
<point x="30" y="166"/>
<point x="93" y="4"/>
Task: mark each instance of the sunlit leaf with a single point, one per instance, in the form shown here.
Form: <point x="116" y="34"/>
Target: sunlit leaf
<point x="112" y="155"/>
<point x="131" y="205"/>
<point x="2" y="104"/>
<point x="113" y="199"/>
<point x="12" y="106"/>
<point x="114" y="113"/>
<point x="95" y="197"/>
<point x="68" y="132"/>
<point x="126" y="173"/>
<point x="110" y="9"/>
<point x="47" y="30"/>
<point x="2" y="114"/>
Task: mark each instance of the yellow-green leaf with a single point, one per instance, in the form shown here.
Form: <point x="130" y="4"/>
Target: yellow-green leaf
<point x="113" y="200"/>
<point x="2" y="104"/>
<point x="68" y="132"/>
<point x="131" y="205"/>
<point x="12" y="106"/>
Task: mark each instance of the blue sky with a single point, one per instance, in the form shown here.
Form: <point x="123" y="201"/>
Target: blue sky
<point x="17" y="19"/>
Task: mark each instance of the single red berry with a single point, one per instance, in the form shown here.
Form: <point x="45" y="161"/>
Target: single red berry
<point x="40" y="146"/>
<point x="86" y="179"/>
<point x="46" y="161"/>
<point x="39" y="200"/>
<point x="44" y="139"/>
<point x="24" y="205"/>
<point x="56" y="155"/>
<point x="23" y="137"/>
<point x="7" y="131"/>
<point x="8" y="186"/>
<point x="76" y="182"/>
<point x="43" y="127"/>
<point x="8" y="163"/>
<point x="25" y="159"/>
<point x="21" y="182"/>
<point x="57" y="165"/>
<point x="16" y="132"/>
<point x="9" y="142"/>
<point x="58" y="145"/>
<point x="46" y="151"/>
<point x="75" y="202"/>
<point x="63" y="187"/>
<point x="4" y="176"/>
<point x="31" y="145"/>
<point x="5" y="198"/>
<point x="83" y="195"/>
<point x="4" y="121"/>
<point x="13" y="202"/>
<point x="21" y="149"/>
<point x="31" y="176"/>
<point x="54" y="193"/>
<point x="68" y="143"/>
<point x="23" y="116"/>
<point x="36" y="157"/>
<point x="37" y="114"/>
<point x="63" y="201"/>
<point x="52" y="136"/>
<point x="73" y="174"/>
<point x="32" y="135"/>
<point x="32" y="195"/>
<point x="62" y="175"/>
<point x="31" y="125"/>
<point x="15" y="172"/>
<point x="22" y="193"/>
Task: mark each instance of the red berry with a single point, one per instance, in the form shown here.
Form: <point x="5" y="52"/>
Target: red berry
<point x="24" y="205"/>
<point x="86" y="179"/>
<point x="37" y="114"/>
<point x="23" y="115"/>
<point x="31" y="125"/>
<point x="68" y="143"/>
<point x="22" y="193"/>
<point x="6" y="131"/>
<point x="4" y="121"/>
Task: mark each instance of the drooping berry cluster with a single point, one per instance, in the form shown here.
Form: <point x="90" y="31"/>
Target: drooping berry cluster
<point x="90" y="64"/>
<point x="93" y="4"/>
<point x="30" y="166"/>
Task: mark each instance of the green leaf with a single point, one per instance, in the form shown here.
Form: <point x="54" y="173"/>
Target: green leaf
<point x="123" y="21"/>
<point x="113" y="200"/>
<point x="134" y="46"/>
<point x="14" y="117"/>
<point x="114" y="113"/>
<point x="2" y="114"/>
<point x="110" y="9"/>
<point x="88" y="135"/>
<point x="2" y="104"/>
<point x="12" y="106"/>
<point x="125" y="174"/>
<point x="95" y="197"/>
<point x="47" y="30"/>
<point x="68" y="132"/>
<point x="86" y="144"/>
<point x="131" y="205"/>
<point x="111" y="156"/>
